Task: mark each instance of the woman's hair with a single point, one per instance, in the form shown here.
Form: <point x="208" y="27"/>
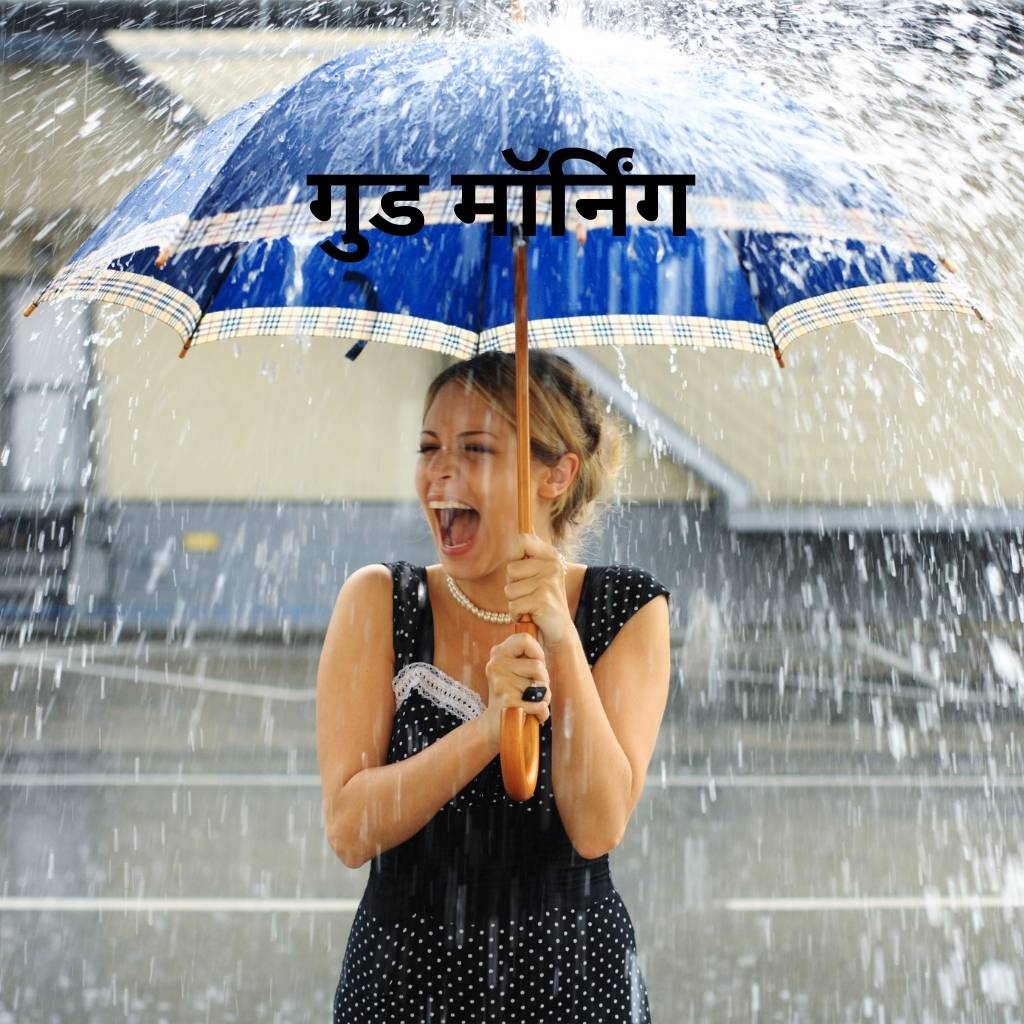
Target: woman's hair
<point x="565" y="416"/>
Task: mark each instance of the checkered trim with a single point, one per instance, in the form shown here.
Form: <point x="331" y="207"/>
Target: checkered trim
<point x="791" y="322"/>
<point x="294" y="220"/>
<point x="354" y="324"/>
<point x="154" y="298"/>
<point x="626" y="329"/>
<point x="181" y="313"/>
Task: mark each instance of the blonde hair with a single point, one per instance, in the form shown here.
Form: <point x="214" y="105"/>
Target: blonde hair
<point x="565" y="416"/>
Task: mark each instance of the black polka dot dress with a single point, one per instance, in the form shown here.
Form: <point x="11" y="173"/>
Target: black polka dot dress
<point x="488" y="915"/>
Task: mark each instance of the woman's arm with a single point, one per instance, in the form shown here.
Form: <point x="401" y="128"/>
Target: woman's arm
<point x="383" y="806"/>
<point x="605" y="724"/>
<point x="369" y="805"/>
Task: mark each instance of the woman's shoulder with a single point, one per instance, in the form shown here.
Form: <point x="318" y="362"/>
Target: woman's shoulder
<point x="620" y="580"/>
<point x="365" y="596"/>
<point x="379" y="578"/>
<point x="400" y="571"/>
<point x="368" y="585"/>
<point x="389" y="598"/>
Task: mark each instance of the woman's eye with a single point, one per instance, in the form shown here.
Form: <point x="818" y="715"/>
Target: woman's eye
<point x="424" y="448"/>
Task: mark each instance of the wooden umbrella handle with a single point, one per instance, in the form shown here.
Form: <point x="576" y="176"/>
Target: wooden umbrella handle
<point x="520" y="742"/>
<point x="520" y="732"/>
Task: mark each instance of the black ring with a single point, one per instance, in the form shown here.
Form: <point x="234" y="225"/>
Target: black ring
<point x="534" y="694"/>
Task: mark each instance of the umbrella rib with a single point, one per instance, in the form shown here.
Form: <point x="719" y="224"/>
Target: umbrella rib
<point x="733" y="238"/>
<point x="485" y="275"/>
<point x="230" y="263"/>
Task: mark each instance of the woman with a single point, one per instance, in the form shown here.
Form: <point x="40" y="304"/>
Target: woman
<point x="479" y="909"/>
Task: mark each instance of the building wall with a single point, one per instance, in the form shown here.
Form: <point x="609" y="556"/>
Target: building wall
<point x="271" y="419"/>
<point x="274" y="570"/>
<point x="923" y="409"/>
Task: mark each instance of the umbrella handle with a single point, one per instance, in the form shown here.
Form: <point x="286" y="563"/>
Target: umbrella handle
<point x="520" y="740"/>
<point x="520" y="732"/>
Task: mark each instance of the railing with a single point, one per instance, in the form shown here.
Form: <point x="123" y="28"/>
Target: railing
<point x="35" y="556"/>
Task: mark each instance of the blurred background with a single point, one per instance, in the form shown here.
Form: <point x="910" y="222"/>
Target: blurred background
<point x="832" y="824"/>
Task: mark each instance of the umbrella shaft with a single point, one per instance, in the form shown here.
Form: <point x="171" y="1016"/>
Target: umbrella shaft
<point x="522" y="389"/>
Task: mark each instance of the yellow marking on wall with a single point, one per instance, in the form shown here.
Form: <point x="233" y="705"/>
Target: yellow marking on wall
<point x="199" y="541"/>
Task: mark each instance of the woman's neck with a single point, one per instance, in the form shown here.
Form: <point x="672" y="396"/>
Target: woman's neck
<point x="486" y="592"/>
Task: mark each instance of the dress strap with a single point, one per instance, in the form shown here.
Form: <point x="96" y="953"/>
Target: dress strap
<point x="615" y="594"/>
<point x="409" y="591"/>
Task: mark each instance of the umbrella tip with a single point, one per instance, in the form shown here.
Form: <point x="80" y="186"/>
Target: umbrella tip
<point x="163" y="256"/>
<point x="30" y="309"/>
<point x="943" y="262"/>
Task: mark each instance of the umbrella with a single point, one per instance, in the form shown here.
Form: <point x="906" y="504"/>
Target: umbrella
<point x="788" y="230"/>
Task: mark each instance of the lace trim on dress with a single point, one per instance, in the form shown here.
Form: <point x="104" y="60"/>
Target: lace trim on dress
<point x="439" y="688"/>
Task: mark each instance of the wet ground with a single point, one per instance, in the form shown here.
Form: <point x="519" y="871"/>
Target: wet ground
<point x="822" y="838"/>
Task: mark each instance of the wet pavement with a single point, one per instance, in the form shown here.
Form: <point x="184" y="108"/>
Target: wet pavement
<point x="819" y="840"/>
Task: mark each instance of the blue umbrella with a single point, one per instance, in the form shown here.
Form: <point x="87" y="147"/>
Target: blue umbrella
<point x="788" y="230"/>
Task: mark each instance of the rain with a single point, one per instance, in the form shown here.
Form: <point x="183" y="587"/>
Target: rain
<point x="831" y="826"/>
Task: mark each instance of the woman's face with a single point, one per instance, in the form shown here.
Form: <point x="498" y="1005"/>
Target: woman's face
<point x="468" y="457"/>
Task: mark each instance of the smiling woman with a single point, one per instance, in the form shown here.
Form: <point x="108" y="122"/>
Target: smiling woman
<point x="480" y="908"/>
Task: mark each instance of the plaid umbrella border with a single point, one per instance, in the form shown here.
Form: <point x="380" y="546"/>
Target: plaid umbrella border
<point x="636" y="329"/>
<point x="184" y="316"/>
<point x="417" y="332"/>
<point x="136" y="291"/>
<point x="328" y="322"/>
<point x="834" y="308"/>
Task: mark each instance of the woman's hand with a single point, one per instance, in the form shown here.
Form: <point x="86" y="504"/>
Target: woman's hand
<point x="537" y="587"/>
<point x="516" y="663"/>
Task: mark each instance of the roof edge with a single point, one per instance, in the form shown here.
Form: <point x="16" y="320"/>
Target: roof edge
<point x="90" y="48"/>
<point x="917" y="517"/>
<point x="683" y="447"/>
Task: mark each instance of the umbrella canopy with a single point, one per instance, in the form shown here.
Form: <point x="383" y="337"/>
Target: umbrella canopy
<point x="788" y="230"/>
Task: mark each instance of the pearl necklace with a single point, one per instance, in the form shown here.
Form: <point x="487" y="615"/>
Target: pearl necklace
<point x="480" y="612"/>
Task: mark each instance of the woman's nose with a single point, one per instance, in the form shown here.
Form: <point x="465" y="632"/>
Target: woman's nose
<point x="443" y="458"/>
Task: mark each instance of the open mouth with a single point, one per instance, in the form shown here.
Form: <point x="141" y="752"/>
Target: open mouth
<point x="458" y="527"/>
